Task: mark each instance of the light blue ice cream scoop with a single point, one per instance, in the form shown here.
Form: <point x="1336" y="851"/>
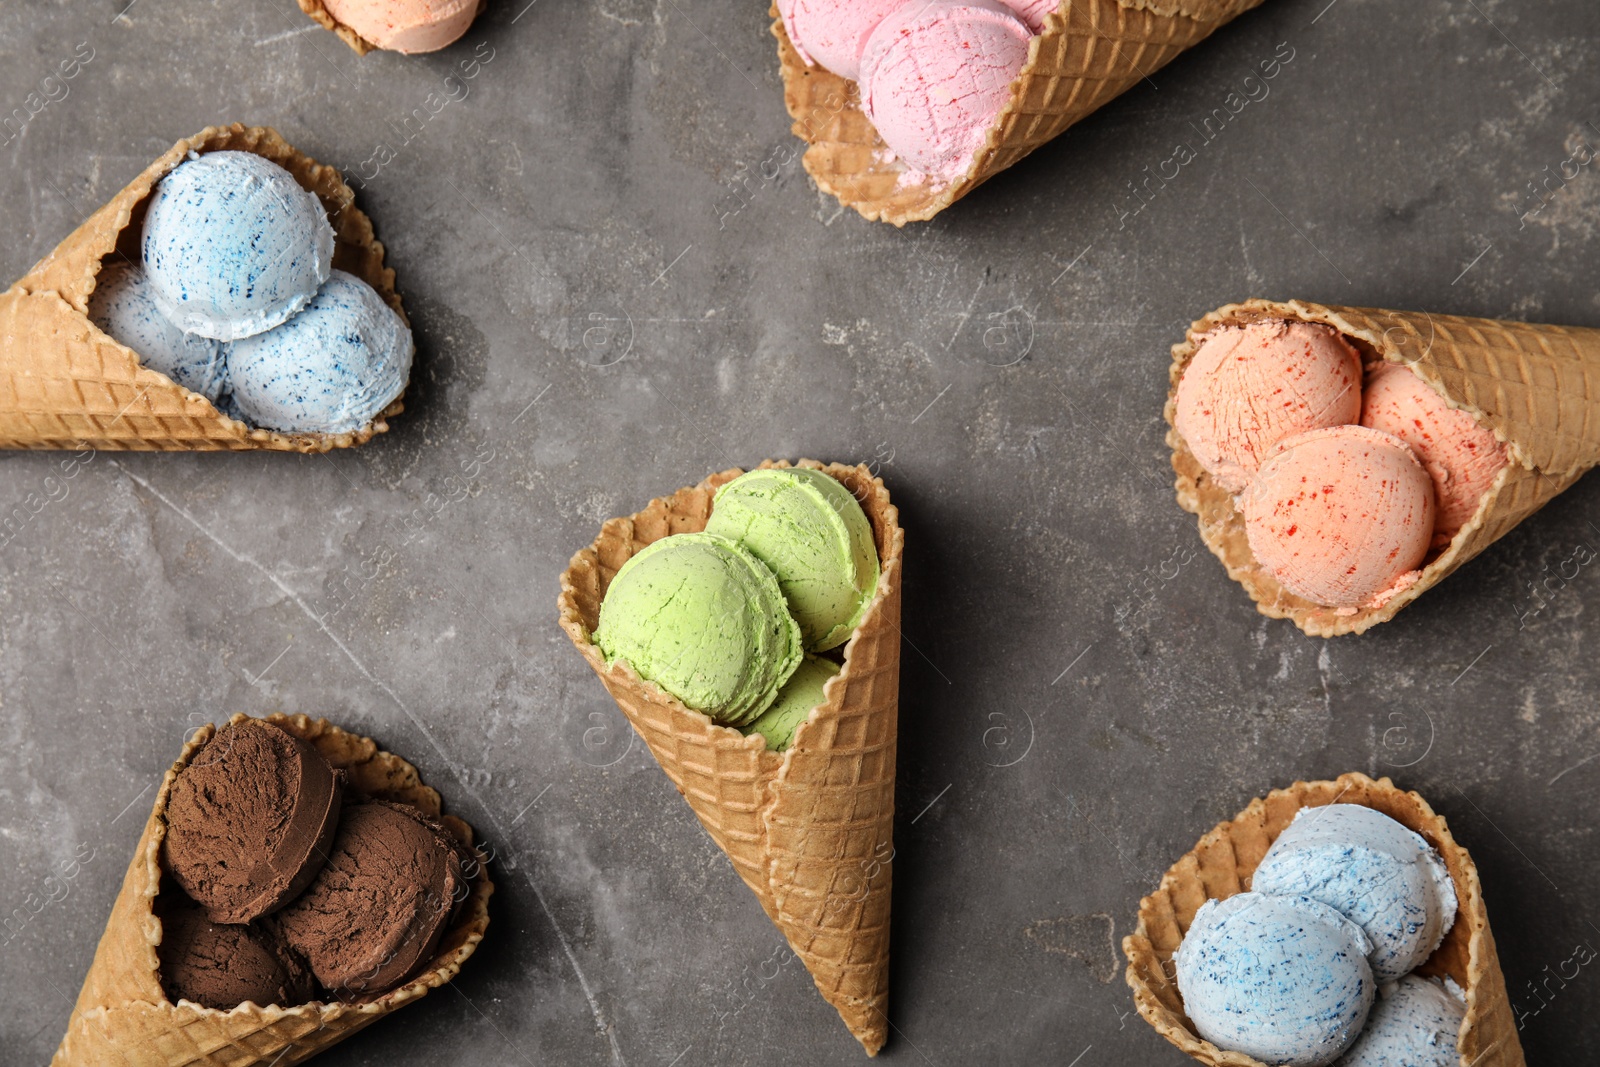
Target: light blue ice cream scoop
<point x="123" y="307"/>
<point x="1415" y="1023"/>
<point x="1381" y="875"/>
<point x="1283" y="979"/>
<point x="233" y="245"/>
<point x="330" y="369"/>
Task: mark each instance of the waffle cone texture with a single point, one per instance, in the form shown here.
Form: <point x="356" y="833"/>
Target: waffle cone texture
<point x="808" y="829"/>
<point x="64" y="383"/>
<point x="1536" y="387"/>
<point x="1222" y="864"/>
<point x="1089" y="52"/>
<point x="123" y="1018"/>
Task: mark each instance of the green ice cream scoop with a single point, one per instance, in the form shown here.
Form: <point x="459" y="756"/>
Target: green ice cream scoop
<point x="812" y="532"/>
<point x="793" y="706"/>
<point x="704" y="619"/>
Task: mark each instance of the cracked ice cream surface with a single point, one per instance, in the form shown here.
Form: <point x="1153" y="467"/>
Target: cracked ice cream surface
<point x="1415" y="1023"/>
<point x="1462" y="457"/>
<point x="705" y="620"/>
<point x="233" y="245"/>
<point x="934" y="76"/>
<point x="1249" y="387"/>
<point x="1340" y="516"/>
<point x="1282" y="978"/>
<point x="1376" y="872"/>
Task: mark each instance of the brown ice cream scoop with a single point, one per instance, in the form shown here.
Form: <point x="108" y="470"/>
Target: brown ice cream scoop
<point x="250" y="820"/>
<point x="222" y="966"/>
<point x="376" y="909"/>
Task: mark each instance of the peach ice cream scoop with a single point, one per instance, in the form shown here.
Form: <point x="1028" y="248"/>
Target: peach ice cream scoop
<point x="407" y="26"/>
<point x="1249" y="387"/>
<point x="1462" y="457"/>
<point x="1341" y="516"/>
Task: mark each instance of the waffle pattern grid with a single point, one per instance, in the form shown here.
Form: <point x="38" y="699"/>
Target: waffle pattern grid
<point x="1537" y="387"/>
<point x="122" y="1017"/>
<point x="1090" y="52"/>
<point x="809" y="830"/>
<point x="1222" y="864"/>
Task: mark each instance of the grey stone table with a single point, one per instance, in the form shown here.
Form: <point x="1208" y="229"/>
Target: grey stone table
<point x="617" y="291"/>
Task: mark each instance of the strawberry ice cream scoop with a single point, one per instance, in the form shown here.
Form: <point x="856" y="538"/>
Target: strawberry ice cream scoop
<point x="1341" y="516"/>
<point x="1462" y="456"/>
<point x="936" y="73"/>
<point x="1248" y="387"/>
<point x="1033" y="12"/>
<point x="831" y="33"/>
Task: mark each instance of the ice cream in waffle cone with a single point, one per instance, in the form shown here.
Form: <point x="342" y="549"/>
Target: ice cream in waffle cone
<point x="123" y="1017"/>
<point x="64" y="383"/>
<point x="437" y="23"/>
<point x="809" y="829"/>
<point x="1089" y="52"/>
<point x="1222" y="864"/>
<point x="1537" y="388"/>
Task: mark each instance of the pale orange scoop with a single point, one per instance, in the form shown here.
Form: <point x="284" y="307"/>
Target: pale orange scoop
<point x="1249" y="387"/>
<point x="1462" y="456"/>
<point x="1341" y="516"/>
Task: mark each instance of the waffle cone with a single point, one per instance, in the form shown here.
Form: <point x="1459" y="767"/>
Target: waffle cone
<point x="1089" y="52"/>
<point x="1536" y="387"/>
<point x="66" y="384"/>
<point x="1221" y="865"/>
<point x="123" y="1017"/>
<point x="809" y="829"/>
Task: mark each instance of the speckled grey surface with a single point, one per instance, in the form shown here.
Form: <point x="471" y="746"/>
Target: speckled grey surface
<point x="618" y="286"/>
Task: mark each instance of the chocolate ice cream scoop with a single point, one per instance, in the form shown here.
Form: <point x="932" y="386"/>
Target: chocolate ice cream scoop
<point x="223" y="966"/>
<point x="250" y="820"/>
<point x="377" y="908"/>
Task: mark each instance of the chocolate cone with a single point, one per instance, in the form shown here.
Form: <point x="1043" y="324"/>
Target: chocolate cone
<point x="1536" y="387"/>
<point x="123" y="1017"/>
<point x="65" y="384"/>
<point x="1221" y="865"/>
<point x="810" y="829"/>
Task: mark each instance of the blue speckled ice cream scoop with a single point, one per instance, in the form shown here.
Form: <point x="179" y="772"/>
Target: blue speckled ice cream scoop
<point x="1415" y="1023"/>
<point x="1283" y="979"/>
<point x="233" y="245"/>
<point x="123" y="307"/>
<point x="330" y="369"/>
<point x="1378" y="873"/>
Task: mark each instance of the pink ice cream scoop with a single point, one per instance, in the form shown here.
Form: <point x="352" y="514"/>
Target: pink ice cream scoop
<point x="1462" y="456"/>
<point x="1341" y="516"/>
<point x="1032" y="12"/>
<point x="406" y="25"/>
<point x="831" y="33"/>
<point x="936" y="73"/>
<point x="1248" y="387"/>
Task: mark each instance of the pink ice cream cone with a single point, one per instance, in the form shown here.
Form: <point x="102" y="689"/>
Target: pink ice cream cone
<point x="935" y="74"/>
<point x="831" y="33"/>
<point x="1341" y="516"/>
<point x="1249" y="387"/>
<point x="406" y="25"/>
<point x="1462" y="456"/>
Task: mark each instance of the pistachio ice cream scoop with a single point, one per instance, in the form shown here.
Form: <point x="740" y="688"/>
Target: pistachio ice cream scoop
<point x="802" y="693"/>
<point x="702" y="618"/>
<point x="810" y="530"/>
